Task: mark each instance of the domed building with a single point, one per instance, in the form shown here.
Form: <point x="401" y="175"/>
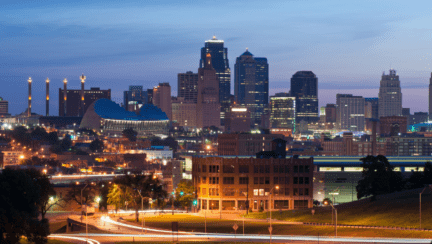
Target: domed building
<point x="110" y="119"/>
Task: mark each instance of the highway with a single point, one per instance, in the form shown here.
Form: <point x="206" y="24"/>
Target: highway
<point x="126" y="232"/>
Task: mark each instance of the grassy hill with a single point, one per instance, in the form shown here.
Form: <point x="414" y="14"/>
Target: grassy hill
<point x="399" y="209"/>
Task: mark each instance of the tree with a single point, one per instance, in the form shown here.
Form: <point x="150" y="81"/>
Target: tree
<point x="39" y="134"/>
<point x="88" y="194"/>
<point x="184" y="193"/>
<point x="66" y="143"/>
<point x="135" y="188"/>
<point x="96" y="145"/>
<point x="130" y="134"/>
<point x="47" y="193"/>
<point x="427" y="174"/>
<point x="52" y="138"/>
<point x="378" y="177"/>
<point x="19" y="200"/>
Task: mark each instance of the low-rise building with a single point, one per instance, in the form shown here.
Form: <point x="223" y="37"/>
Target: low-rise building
<point x="245" y="144"/>
<point x="227" y="183"/>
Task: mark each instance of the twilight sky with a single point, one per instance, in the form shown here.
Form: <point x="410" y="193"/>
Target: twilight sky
<point x="347" y="44"/>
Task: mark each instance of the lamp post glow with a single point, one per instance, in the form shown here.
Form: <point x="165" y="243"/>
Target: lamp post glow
<point x="270" y="208"/>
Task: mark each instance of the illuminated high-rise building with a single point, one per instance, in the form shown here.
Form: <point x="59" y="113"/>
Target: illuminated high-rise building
<point x="219" y="56"/>
<point x="4" y="107"/>
<point x="350" y="112"/>
<point x="162" y="98"/>
<point x="282" y="114"/>
<point x="188" y="86"/>
<point x="134" y="98"/>
<point x="208" y="105"/>
<point x="390" y="95"/>
<point x="430" y="98"/>
<point x="304" y="86"/>
<point x="251" y="88"/>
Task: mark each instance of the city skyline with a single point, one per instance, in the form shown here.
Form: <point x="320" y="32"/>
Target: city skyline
<point x="346" y="52"/>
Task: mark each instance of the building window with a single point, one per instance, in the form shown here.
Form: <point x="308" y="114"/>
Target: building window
<point x="296" y="169"/>
<point x="287" y="169"/>
<point x="214" y="169"/>
<point x="262" y="180"/>
<point x="295" y="180"/>
<point x="256" y="169"/>
<point x="301" y="192"/>
<point x="262" y="169"/>
<point x="295" y="193"/>
<point x="276" y="169"/>
<point x="228" y="180"/>
<point x="204" y="180"/>
<point x="214" y="192"/>
<point x="204" y="168"/>
<point x="243" y="192"/>
<point x="267" y="169"/>
<point x="306" y="180"/>
<point x="204" y="191"/>
<point x="228" y="169"/>
<point x="256" y="180"/>
<point x="301" y="180"/>
<point x="307" y="169"/>
<point x="261" y="192"/>
<point x="244" y="180"/>
<point x="276" y="180"/>
<point x="214" y="180"/>
<point x="204" y="204"/>
<point x="306" y="190"/>
<point x="255" y="192"/>
<point x="301" y="169"/>
<point x="267" y="180"/>
<point x="287" y="191"/>
<point x="229" y="192"/>
<point x="243" y="169"/>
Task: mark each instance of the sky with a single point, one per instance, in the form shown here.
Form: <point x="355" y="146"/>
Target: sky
<point x="347" y="44"/>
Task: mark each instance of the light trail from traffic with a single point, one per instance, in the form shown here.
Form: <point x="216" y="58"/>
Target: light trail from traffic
<point x="90" y="241"/>
<point x="256" y="237"/>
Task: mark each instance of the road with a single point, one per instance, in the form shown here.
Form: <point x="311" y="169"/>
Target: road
<point x="126" y="232"/>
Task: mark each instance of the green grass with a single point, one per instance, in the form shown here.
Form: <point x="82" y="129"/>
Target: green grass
<point x="399" y="211"/>
<point x="196" y="224"/>
<point x="189" y="242"/>
<point x="50" y="241"/>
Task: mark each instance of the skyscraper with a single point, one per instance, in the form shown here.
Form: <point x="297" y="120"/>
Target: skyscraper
<point x="304" y="86"/>
<point x="251" y="88"/>
<point x="350" y="112"/>
<point x="430" y="98"/>
<point x="208" y="105"/>
<point x="282" y="115"/>
<point x="390" y="96"/>
<point x="371" y="108"/>
<point x="219" y="56"/>
<point x="134" y="98"/>
<point x="4" y="105"/>
<point x="162" y="98"/>
<point x="188" y="86"/>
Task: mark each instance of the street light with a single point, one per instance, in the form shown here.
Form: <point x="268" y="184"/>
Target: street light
<point x="142" y="209"/>
<point x="86" y="211"/>
<point x="420" y="201"/>
<point x="270" y="208"/>
<point x="335" y="218"/>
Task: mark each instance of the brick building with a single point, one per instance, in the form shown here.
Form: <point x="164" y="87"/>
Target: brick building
<point x="226" y="184"/>
<point x="245" y="144"/>
<point x="393" y="125"/>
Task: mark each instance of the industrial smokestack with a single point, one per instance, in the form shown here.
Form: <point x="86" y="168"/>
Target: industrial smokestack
<point x="47" y="96"/>
<point x="64" y="96"/>
<point x="83" y="78"/>
<point x="29" y="97"/>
